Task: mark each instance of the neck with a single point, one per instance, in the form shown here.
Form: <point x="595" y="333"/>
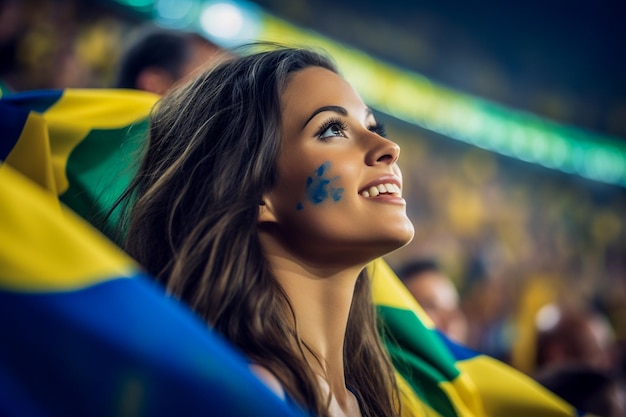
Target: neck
<point x="321" y="296"/>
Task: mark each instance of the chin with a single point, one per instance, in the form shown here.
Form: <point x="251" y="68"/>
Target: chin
<point x="399" y="244"/>
<point x="405" y="234"/>
<point x="398" y="240"/>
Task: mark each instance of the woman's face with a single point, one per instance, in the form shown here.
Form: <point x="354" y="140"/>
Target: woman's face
<point x="338" y="195"/>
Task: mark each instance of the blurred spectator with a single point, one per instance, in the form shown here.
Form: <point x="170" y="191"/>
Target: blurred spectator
<point x="588" y="389"/>
<point x="437" y="295"/>
<point x="11" y="29"/>
<point x="573" y="336"/>
<point x="157" y="58"/>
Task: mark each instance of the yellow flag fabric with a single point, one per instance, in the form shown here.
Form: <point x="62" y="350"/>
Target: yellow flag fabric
<point x="78" y="145"/>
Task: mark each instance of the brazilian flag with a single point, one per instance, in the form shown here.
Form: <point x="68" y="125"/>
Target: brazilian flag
<point x="86" y="332"/>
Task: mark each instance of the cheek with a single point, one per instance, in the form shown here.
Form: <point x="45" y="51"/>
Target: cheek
<point x="321" y="187"/>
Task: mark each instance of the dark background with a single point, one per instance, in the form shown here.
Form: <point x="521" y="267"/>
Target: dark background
<point x="565" y="60"/>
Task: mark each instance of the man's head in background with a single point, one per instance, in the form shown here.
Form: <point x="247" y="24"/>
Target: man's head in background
<point x="437" y="295"/>
<point x="574" y="335"/>
<point x="156" y="58"/>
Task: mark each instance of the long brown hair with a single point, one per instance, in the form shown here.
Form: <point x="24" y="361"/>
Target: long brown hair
<point x="193" y="224"/>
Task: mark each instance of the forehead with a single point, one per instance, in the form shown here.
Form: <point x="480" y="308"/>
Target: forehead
<point x="314" y="87"/>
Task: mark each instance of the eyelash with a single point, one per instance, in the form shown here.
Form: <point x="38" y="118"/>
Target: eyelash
<point x="377" y="128"/>
<point x="333" y="122"/>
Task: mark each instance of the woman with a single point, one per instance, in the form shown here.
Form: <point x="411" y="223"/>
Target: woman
<point x="266" y="188"/>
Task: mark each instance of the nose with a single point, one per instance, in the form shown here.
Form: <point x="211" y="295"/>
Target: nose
<point x="381" y="151"/>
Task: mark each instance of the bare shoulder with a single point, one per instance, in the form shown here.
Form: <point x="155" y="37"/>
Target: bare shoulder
<point x="269" y="379"/>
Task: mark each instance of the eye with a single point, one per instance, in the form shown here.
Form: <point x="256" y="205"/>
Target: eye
<point x="331" y="128"/>
<point x="379" y="129"/>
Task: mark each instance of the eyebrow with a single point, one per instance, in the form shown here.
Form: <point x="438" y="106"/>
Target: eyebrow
<point x="335" y="109"/>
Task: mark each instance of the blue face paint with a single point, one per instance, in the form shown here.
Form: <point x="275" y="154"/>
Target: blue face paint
<point x="336" y="193"/>
<point x="319" y="186"/>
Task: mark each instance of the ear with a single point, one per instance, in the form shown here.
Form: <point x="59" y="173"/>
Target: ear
<point x="154" y="80"/>
<point x="266" y="210"/>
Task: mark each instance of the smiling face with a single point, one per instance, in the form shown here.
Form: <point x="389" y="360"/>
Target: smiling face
<point x="338" y="195"/>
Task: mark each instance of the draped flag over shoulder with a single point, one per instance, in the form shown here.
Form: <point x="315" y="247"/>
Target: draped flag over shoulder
<point x="87" y="330"/>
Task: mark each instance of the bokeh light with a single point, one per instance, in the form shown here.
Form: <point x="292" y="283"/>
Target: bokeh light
<point x="230" y="23"/>
<point x="177" y="14"/>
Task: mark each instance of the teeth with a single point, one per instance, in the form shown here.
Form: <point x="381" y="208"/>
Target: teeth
<point x="375" y="191"/>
